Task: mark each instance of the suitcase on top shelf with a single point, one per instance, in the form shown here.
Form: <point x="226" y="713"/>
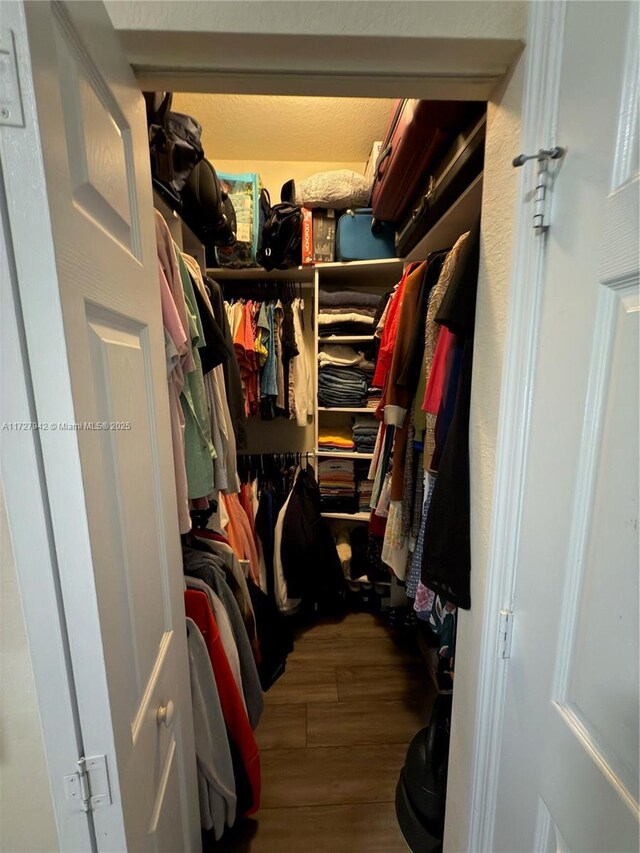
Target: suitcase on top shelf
<point x="357" y="240"/>
<point x="459" y="167"/>
<point x="416" y="139"/>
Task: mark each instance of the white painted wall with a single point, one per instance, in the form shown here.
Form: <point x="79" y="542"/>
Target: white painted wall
<point x="426" y="18"/>
<point x="498" y="227"/>
<point x="428" y="46"/>
<point x="26" y="814"/>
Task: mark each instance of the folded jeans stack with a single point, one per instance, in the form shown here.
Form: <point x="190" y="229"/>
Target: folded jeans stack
<point x="365" y="432"/>
<point x="342" y="387"/>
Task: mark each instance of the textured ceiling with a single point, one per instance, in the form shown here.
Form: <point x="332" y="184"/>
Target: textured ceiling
<point x="269" y="127"/>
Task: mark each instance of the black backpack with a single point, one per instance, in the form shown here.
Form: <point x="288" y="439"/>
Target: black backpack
<point x="281" y="246"/>
<point x="174" y="146"/>
<point x="207" y="208"/>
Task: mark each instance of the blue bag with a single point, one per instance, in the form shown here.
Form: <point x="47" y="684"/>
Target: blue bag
<point x="244" y="192"/>
<point x="356" y="241"/>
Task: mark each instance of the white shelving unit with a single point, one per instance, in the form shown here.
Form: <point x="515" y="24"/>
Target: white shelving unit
<point x="362" y="409"/>
<point x="343" y="454"/>
<point x="347" y="516"/>
<point x="346" y="339"/>
<point x="279" y="435"/>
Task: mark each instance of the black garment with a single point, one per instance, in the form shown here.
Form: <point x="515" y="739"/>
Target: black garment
<point x="217" y="349"/>
<point x="446" y="564"/>
<point x="289" y="350"/>
<point x="310" y="561"/>
<point x="409" y="374"/>
<point x="265" y="524"/>
<point x="275" y="636"/>
<point x="232" y="380"/>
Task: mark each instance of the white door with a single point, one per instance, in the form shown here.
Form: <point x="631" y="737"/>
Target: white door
<point x="76" y="173"/>
<point x="568" y="778"/>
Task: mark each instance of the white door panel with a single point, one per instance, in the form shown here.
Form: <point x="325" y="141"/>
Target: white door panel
<point x="569" y="761"/>
<point x="96" y="347"/>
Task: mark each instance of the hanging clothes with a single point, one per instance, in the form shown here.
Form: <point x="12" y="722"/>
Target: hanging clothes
<point x="446" y="564"/>
<point x="216" y="782"/>
<point x="236" y="721"/>
<point x="199" y="448"/>
<point x="205" y="567"/>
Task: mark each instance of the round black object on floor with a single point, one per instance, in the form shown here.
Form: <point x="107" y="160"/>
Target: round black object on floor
<point x="422" y="787"/>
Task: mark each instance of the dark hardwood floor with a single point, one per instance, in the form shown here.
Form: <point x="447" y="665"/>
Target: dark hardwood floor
<point x="333" y="739"/>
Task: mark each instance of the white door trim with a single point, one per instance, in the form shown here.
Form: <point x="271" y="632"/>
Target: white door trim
<point x="27" y="504"/>
<point x="540" y="104"/>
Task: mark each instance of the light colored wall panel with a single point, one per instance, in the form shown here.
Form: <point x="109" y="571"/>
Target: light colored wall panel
<point x="26" y="814"/>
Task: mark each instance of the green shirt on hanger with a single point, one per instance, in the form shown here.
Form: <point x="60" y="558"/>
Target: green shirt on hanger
<point x="199" y="450"/>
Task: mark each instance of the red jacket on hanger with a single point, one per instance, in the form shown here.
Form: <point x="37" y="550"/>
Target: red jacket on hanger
<point x="235" y="716"/>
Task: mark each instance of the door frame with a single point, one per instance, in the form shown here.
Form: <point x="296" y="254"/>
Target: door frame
<point x="539" y="114"/>
<point x="539" y="103"/>
<point x="27" y="501"/>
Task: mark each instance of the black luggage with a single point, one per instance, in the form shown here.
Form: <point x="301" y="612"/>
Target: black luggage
<point x="174" y="146"/>
<point x="462" y="163"/>
<point x="207" y="208"/>
<point x="419" y="133"/>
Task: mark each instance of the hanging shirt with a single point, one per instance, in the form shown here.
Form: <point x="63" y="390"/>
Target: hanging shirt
<point x="216" y="782"/>
<point x="302" y="378"/>
<point x="237" y="724"/>
<point x="199" y="448"/>
<point x="446" y="564"/>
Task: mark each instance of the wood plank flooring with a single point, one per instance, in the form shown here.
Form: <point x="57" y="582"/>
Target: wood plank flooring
<point x="333" y="739"/>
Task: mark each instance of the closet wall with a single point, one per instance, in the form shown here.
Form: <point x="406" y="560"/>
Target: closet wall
<point x="286" y="137"/>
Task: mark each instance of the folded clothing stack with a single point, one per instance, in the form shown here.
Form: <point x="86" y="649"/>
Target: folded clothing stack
<point x="342" y="387"/>
<point x="365" y="490"/>
<point x="346" y="312"/>
<point x="338" y="439"/>
<point x="374" y="398"/>
<point x="344" y="374"/>
<point x="365" y="432"/>
<point x="336" y="478"/>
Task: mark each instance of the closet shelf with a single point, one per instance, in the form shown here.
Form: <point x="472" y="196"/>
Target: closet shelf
<point x="345" y="409"/>
<point x="368" y="273"/>
<point x="304" y="275"/>
<point x="346" y="339"/>
<point x="347" y="516"/>
<point x="344" y="454"/>
<point x="376" y="273"/>
<point x="460" y="217"/>
<point x="365" y="580"/>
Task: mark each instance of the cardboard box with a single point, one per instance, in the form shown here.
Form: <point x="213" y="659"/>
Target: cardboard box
<point x="307" y="237"/>
<point x="324" y="235"/>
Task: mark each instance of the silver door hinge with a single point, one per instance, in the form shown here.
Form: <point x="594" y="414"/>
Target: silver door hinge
<point x="10" y="98"/>
<point x="505" y="630"/>
<point x="540" y="195"/>
<point x="88" y="787"/>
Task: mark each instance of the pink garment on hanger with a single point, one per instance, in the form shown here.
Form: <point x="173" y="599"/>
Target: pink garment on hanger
<point x="240" y="537"/>
<point x="167" y="258"/>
